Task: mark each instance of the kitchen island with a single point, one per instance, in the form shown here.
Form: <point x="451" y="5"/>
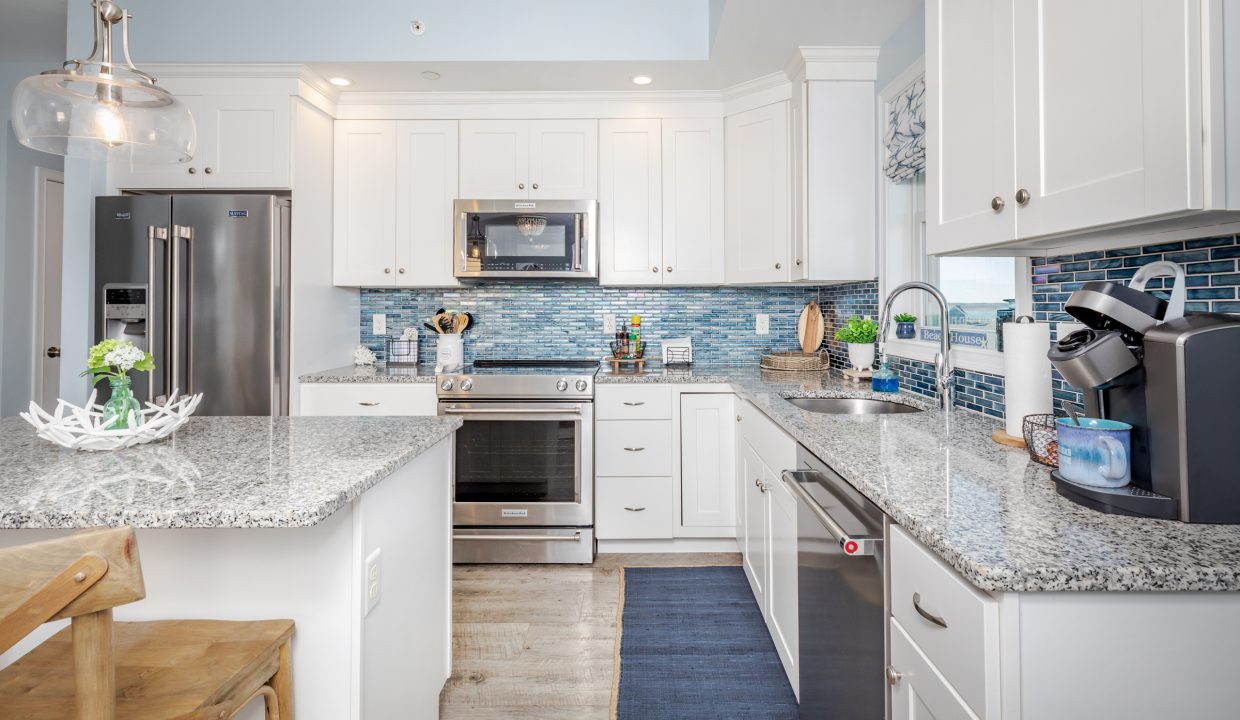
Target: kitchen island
<point x="342" y="524"/>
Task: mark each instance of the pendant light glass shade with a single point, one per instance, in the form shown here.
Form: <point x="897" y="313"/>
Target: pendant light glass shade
<point x="96" y="108"/>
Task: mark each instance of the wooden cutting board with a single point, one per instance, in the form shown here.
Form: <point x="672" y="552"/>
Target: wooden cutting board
<point x="810" y="328"/>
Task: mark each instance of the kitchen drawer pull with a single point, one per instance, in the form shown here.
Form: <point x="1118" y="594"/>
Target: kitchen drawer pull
<point x="635" y="449"/>
<point x="575" y="537"/>
<point x="367" y="404"/>
<point x="630" y="509"/>
<point x="634" y="404"/>
<point x="922" y="612"/>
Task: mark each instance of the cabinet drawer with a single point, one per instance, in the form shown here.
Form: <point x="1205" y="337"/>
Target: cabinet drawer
<point x="633" y="402"/>
<point x="966" y="650"/>
<point x="368" y="399"/>
<point x="776" y="448"/>
<point x="633" y="508"/>
<point x="639" y="448"/>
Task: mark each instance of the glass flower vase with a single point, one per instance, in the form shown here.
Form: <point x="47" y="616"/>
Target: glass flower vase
<point x="121" y="405"/>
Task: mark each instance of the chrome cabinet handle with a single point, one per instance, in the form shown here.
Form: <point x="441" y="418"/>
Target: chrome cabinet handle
<point x="669" y="268"/>
<point x="759" y="484"/>
<point x="893" y="676"/>
<point x="635" y="449"/>
<point x="387" y="271"/>
<point x="367" y="404"/>
<point x="193" y="171"/>
<point x="922" y="612"/>
<point x="208" y="170"/>
<point x="535" y="186"/>
<point x="401" y="271"/>
<point x="630" y="509"/>
<point x="798" y="262"/>
<point x="997" y="204"/>
<point x="778" y="265"/>
<point x="520" y="186"/>
<point x="654" y="269"/>
<point x="1022" y="197"/>
<point x="634" y="404"/>
<point x="738" y="418"/>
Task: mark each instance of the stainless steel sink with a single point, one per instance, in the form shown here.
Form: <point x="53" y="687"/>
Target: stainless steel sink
<point x="852" y="406"/>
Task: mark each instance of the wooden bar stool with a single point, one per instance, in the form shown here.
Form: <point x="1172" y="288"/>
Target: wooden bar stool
<point x="99" y="670"/>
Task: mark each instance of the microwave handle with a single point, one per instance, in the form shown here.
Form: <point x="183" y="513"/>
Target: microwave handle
<point x="577" y="245"/>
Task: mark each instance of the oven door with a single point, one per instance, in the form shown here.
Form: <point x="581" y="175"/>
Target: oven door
<point x="523" y="464"/>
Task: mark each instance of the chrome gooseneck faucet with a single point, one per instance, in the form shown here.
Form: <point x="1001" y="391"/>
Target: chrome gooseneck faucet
<point x="945" y="378"/>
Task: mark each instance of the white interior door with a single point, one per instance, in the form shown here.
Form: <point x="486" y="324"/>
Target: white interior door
<point x="564" y="159"/>
<point x="1108" y="111"/>
<point x="50" y="239"/>
<point x="970" y="159"/>
<point x="495" y="159"/>
<point x="693" y="201"/>
<point x="630" y="203"/>
<point x="426" y="183"/>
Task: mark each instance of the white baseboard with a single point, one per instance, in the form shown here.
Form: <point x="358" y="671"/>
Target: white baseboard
<point x="677" y="545"/>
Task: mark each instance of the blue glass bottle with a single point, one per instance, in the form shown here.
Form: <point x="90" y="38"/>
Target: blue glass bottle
<point x="885" y="380"/>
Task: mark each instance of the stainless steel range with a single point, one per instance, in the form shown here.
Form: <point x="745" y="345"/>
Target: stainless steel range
<point x="524" y="474"/>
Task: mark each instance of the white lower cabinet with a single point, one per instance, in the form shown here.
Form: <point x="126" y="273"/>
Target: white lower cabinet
<point x="633" y="448"/>
<point x="753" y="526"/>
<point x="919" y="692"/>
<point x="707" y="465"/>
<point x="633" y="508"/>
<point x="782" y="617"/>
<point x="373" y="399"/>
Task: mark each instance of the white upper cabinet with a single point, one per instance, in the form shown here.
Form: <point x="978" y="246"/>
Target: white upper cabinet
<point x="758" y="210"/>
<point x="630" y="202"/>
<point x="693" y="202"/>
<point x="1058" y="119"/>
<point x="426" y="184"/>
<point x="548" y="159"/>
<point x="244" y="142"/>
<point x="364" y="221"/>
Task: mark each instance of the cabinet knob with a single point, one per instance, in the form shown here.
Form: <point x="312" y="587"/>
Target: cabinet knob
<point x="654" y="269"/>
<point x="778" y="265"/>
<point x="669" y="268"/>
<point x="893" y="676"/>
<point x="207" y="170"/>
<point x="798" y="262"/>
<point x="387" y="271"/>
<point x="535" y="186"/>
<point x="738" y="418"/>
<point x="1022" y="197"/>
<point x="520" y="186"/>
<point x="997" y="204"/>
<point x="193" y="171"/>
<point x="401" y="271"/>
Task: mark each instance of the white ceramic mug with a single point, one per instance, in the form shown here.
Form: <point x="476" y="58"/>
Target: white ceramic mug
<point x="450" y="352"/>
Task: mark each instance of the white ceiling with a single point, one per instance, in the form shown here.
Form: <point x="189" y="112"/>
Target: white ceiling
<point x="754" y="38"/>
<point x="33" y="30"/>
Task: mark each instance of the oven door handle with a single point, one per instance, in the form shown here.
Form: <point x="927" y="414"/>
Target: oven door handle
<point x="575" y="537"/>
<point x="500" y="411"/>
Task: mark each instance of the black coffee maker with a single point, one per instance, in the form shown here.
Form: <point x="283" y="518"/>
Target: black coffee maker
<point x="1176" y="380"/>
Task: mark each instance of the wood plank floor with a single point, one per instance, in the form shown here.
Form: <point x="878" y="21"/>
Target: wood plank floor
<point x="537" y="642"/>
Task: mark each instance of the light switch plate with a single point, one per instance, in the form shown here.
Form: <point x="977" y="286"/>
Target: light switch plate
<point x="373" y="581"/>
<point x="378" y="324"/>
<point x="609" y="324"/>
<point x="762" y="326"/>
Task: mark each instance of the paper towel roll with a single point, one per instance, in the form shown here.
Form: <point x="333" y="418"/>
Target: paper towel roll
<point x="1026" y="372"/>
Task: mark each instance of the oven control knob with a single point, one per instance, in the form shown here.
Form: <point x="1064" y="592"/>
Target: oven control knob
<point x="447" y="384"/>
<point x="582" y="385"/>
<point x="561" y="385"/>
<point x="467" y="384"/>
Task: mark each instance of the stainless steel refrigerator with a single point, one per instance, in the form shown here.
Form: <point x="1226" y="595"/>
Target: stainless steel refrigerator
<point x="202" y="283"/>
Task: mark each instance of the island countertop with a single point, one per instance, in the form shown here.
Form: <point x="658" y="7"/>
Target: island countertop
<point x="215" y="472"/>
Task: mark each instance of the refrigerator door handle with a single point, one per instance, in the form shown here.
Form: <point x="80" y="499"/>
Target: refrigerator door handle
<point x="180" y="353"/>
<point x="154" y="233"/>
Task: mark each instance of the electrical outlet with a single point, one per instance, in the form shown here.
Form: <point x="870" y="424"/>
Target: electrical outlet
<point x="373" y="584"/>
<point x="378" y="324"/>
<point x="763" y="324"/>
<point x="609" y="324"/>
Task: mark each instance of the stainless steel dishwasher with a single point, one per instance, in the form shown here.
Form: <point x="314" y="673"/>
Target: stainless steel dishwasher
<point x="841" y="595"/>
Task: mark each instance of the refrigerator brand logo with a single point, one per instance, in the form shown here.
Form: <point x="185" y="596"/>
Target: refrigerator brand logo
<point x="122" y="216"/>
<point x="510" y="512"/>
<point x="238" y="213"/>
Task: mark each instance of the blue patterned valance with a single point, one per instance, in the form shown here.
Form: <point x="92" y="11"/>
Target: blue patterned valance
<point x="906" y="132"/>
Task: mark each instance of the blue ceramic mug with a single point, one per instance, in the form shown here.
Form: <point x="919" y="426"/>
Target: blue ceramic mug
<point x="1096" y="452"/>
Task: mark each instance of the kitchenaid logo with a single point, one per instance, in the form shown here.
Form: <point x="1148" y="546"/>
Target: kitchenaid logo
<point x="238" y="213"/>
<point x="514" y="513"/>
<point x="122" y="216"/>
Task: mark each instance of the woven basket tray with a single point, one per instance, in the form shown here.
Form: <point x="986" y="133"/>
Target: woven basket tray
<point x="795" y="361"/>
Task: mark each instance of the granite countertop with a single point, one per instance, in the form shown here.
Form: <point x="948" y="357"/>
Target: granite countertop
<point x="373" y="374"/>
<point x="987" y="510"/>
<point x="234" y="472"/>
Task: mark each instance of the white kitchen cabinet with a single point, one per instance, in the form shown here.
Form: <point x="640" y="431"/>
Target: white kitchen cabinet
<point x="512" y="159"/>
<point x="638" y="448"/>
<point x="634" y="508"/>
<point x="707" y="460"/>
<point x="752" y="521"/>
<point x="244" y="142"/>
<point x="426" y="187"/>
<point x="369" y="399"/>
<point x="758" y="195"/>
<point x="630" y="202"/>
<point x="782" y="614"/>
<point x="693" y="191"/>
<point x="364" y="221"/>
<point x="919" y="691"/>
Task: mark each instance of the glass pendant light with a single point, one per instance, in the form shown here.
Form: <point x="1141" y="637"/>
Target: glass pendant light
<point x="95" y="107"/>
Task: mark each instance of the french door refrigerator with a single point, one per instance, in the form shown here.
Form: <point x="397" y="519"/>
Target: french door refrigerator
<point x="202" y="283"/>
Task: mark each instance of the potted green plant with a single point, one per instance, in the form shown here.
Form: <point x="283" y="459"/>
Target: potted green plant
<point x="113" y="359"/>
<point x="905" y="326"/>
<point x="860" y="334"/>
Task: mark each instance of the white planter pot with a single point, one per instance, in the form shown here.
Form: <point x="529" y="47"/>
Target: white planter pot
<point x="861" y="355"/>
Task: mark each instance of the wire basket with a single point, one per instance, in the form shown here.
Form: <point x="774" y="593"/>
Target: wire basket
<point x="400" y="352"/>
<point x="622" y="350"/>
<point x="1041" y="439"/>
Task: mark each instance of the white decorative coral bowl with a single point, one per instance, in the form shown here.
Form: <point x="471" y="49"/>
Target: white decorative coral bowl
<point x="85" y="429"/>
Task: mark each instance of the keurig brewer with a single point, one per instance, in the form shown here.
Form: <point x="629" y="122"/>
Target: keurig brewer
<point x="1173" y="377"/>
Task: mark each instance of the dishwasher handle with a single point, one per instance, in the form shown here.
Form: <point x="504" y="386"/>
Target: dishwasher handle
<point x="851" y="544"/>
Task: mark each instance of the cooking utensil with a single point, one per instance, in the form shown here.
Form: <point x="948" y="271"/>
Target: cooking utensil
<point x="432" y="328"/>
<point x="469" y="321"/>
<point x="810" y="328"/>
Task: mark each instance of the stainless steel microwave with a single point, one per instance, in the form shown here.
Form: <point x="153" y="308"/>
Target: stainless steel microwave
<point x="526" y="239"/>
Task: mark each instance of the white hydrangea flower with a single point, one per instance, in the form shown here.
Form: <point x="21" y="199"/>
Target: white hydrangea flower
<point x="125" y="357"/>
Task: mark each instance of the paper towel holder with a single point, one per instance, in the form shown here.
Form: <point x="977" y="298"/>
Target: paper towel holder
<point x="1000" y="435"/>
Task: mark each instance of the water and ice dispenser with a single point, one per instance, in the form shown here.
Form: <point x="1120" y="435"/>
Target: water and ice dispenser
<point x="124" y="313"/>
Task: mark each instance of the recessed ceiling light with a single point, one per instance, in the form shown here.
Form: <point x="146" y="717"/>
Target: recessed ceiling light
<point x="430" y="75"/>
<point x="642" y="79"/>
<point x="340" y="81"/>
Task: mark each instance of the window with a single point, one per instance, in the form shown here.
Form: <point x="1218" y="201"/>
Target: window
<point x="981" y="295"/>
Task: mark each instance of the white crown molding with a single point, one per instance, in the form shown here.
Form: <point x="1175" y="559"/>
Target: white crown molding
<point x="527" y="97"/>
<point x="845" y="62"/>
<point x="245" y="71"/>
<point x="770" y="82"/>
